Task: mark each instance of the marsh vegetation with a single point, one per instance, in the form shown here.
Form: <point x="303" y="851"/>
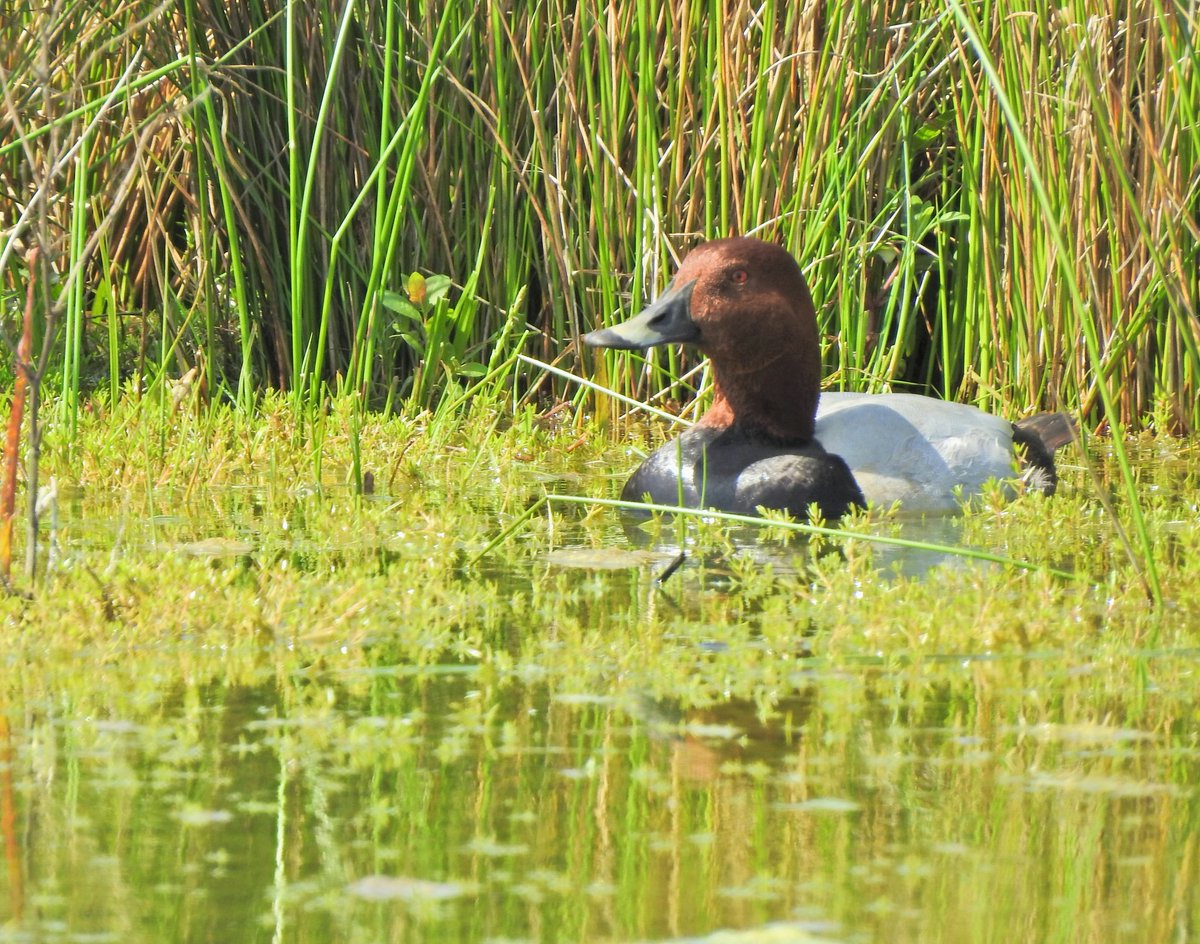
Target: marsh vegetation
<point x="250" y="703"/>
<point x="334" y="634"/>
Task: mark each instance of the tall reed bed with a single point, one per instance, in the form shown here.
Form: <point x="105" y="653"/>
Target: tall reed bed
<point x="993" y="201"/>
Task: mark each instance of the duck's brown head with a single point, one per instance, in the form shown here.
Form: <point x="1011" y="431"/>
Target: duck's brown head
<point x="745" y="304"/>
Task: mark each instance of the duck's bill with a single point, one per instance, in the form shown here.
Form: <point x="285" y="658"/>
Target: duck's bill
<point x="667" y="320"/>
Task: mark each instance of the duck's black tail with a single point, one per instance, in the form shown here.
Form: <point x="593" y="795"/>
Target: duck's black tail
<point x="1040" y="437"/>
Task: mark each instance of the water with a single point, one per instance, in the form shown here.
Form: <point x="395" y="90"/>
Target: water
<point x="258" y="715"/>
<point x="393" y="803"/>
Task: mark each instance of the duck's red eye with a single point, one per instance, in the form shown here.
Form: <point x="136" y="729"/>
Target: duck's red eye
<point x="739" y="276"/>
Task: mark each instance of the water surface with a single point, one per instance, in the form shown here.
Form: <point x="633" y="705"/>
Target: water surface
<point x="301" y="718"/>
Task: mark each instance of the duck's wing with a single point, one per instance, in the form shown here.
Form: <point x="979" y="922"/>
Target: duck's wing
<point x="916" y="450"/>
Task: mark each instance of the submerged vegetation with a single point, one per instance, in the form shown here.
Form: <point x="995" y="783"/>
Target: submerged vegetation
<point x="327" y="710"/>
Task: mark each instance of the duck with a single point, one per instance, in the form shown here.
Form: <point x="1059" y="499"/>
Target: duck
<point x="771" y="439"/>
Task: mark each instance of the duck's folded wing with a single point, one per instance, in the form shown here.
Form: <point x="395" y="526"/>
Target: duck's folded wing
<point x="923" y="452"/>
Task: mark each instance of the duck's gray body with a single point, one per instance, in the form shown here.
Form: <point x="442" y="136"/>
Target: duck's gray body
<point x="927" y="454"/>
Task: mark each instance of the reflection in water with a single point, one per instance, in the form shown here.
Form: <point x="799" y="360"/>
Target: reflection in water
<point x="934" y="529"/>
<point x="735" y="733"/>
<point x="395" y="747"/>
<point x="393" y="805"/>
<point x="8" y="821"/>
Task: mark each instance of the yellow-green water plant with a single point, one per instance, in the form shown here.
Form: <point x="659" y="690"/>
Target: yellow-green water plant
<point x="461" y="502"/>
<point x="775" y="523"/>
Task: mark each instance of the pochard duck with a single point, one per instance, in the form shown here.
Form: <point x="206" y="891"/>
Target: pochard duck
<point x="772" y="439"/>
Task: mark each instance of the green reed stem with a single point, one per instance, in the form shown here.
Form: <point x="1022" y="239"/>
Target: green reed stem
<point x="1146" y="565"/>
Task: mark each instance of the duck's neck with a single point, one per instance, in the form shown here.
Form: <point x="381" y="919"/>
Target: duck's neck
<point x="775" y="401"/>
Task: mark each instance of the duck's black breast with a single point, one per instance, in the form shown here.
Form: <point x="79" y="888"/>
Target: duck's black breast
<point x="730" y="471"/>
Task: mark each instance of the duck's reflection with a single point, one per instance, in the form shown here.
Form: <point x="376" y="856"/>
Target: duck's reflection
<point x="705" y="740"/>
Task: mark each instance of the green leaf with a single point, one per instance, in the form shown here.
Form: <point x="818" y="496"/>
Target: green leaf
<point x="414" y="341"/>
<point x="927" y="134"/>
<point x="436" y="287"/>
<point x="400" y="304"/>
